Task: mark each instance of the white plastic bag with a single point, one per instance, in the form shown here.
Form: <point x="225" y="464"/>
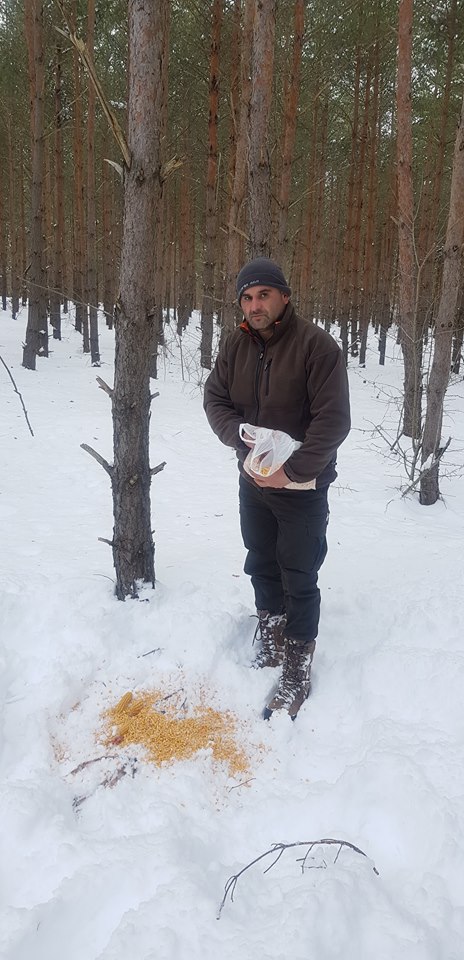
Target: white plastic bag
<point x="271" y="448"/>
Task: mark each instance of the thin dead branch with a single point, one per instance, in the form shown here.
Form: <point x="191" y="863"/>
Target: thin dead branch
<point x="88" y="63"/>
<point x="170" y="166"/>
<point x="87" y="763"/>
<point x="96" y="456"/>
<point x="158" y="469"/>
<point x="19" y="394"/>
<point x="105" y="386"/>
<point x="111" y="779"/>
<point x="277" y="851"/>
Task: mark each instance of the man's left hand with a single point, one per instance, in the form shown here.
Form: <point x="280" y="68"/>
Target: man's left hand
<point x="277" y="480"/>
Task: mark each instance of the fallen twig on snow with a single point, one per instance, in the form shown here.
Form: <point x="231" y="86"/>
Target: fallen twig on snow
<point x="278" y="849"/>
<point x="19" y="394"/>
<point x="111" y="779"/>
<point x="87" y="763"/>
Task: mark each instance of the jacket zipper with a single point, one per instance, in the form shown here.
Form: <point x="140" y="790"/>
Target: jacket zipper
<point x="267" y="373"/>
<point x="257" y="378"/>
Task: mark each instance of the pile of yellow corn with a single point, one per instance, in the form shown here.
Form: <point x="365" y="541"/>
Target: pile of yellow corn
<point x="161" y="725"/>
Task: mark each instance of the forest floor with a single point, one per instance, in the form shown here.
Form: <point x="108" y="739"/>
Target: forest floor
<point x="123" y="858"/>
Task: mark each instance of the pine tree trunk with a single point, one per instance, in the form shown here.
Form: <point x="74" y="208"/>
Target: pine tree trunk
<point x="407" y="301"/>
<point x="459" y="332"/>
<point x="357" y="255"/>
<point x="234" y="121"/>
<point x="445" y="325"/>
<point x="108" y="267"/>
<point x="308" y="226"/>
<point x="81" y="315"/>
<point x="207" y="310"/>
<point x="368" y="275"/>
<point x="234" y="238"/>
<point x="259" y="162"/>
<point x="346" y="273"/>
<point x="13" y="228"/>
<point x="133" y="548"/>
<point x="429" y="234"/>
<point x="291" y="107"/>
<point x="36" y="333"/>
<point x="318" y="271"/>
<point x="186" y="284"/>
<point x="58" y="231"/>
<point x="22" y="234"/>
<point x="91" y="286"/>
<point x="3" y="257"/>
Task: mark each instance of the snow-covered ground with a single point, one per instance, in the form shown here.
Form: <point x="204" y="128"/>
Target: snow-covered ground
<point x="375" y="758"/>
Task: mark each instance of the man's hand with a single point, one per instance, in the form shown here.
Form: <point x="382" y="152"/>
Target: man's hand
<point x="277" y="480"/>
<point x="248" y="440"/>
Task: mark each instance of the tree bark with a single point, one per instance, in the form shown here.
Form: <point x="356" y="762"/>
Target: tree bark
<point x="234" y="236"/>
<point x="108" y="240"/>
<point x="14" y="246"/>
<point x="411" y="341"/>
<point x="207" y="311"/>
<point x="259" y="162"/>
<point x="186" y="286"/>
<point x="36" y="333"/>
<point x="290" y="130"/>
<point x="445" y="325"/>
<point x="133" y="548"/>
<point x="58" y="232"/>
<point x="91" y="285"/>
<point x="368" y="274"/>
<point x="3" y="257"/>
<point x="81" y="313"/>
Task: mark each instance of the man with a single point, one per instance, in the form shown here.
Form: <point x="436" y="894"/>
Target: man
<point x="285" y="373"/>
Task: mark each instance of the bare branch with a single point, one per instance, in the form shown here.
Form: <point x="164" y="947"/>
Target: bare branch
<point x="88" y="63"/>
<point x="116" y="166"/>
<point x="109" y="542"/>
<point x="104" y="386"/>
<point x="87" y="763"/>
<point x="154" y="395"/>
<point x="279" y="849"/>
<point x="19" y="395"/>
<point x="158" y="469"/>
<point x="170" y="166"/>
<point x="101" y="460"/>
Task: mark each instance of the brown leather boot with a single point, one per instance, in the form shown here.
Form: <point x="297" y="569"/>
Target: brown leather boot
<point x="270" y="634"/>
<point x="295" y="683"/>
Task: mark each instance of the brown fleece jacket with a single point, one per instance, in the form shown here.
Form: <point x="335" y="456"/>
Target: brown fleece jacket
<point x="295" y="382"/>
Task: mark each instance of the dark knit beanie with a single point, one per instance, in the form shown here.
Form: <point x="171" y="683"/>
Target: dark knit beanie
<point x="261" y="272"/>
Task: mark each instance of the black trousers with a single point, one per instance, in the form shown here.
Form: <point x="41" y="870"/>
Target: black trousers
<point x="284" y="532"/>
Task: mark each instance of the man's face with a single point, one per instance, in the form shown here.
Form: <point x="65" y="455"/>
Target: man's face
<point x="262" y="306"/>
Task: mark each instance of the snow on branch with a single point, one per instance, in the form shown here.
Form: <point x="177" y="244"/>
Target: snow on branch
<point x="277" y="850"/>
